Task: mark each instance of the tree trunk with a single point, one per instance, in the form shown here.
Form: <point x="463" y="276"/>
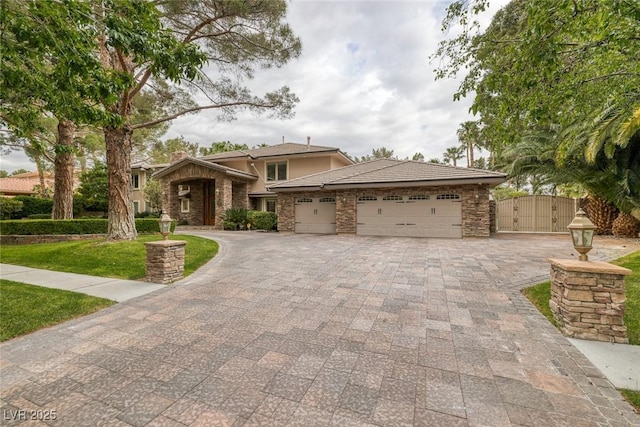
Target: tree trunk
<point x="63" y="184"/>
<point x="122" y="224"/>
<point x="40" y="168"/>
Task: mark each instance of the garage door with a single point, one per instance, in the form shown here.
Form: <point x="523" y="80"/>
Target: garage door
<point x="419" y="215"/>
<point x="315" y="215"/>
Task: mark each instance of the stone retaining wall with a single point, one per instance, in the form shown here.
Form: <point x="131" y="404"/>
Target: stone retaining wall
<point x="588" y="299"/>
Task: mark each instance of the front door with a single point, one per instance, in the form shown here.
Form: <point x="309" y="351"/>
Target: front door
<point x="209" y="209"/>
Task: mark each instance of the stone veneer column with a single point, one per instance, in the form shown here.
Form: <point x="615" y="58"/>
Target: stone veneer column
<point x="346" y="212"/>
<point x="588" y="299"/>
<point x="224" y="201"/>
<point x="165" y="261"/>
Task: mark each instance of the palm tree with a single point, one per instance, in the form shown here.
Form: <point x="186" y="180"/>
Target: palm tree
<point x="453" y="154"/>
<point x="469" y="137"/>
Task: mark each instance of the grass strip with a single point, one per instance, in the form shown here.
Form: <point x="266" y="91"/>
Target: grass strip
<point x="27" y="308"/>
<point x="120" y="260"/>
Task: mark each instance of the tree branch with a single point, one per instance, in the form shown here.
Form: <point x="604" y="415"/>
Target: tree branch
<point x="206" y="107"/>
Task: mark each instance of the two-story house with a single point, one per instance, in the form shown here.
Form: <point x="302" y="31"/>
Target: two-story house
<point x="199" y="190"/>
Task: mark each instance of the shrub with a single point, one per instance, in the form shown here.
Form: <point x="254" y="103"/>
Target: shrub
<point x="72" y="226"/>
<point x="39" y="216"/>
<point x="238" y="216"/>
<point x="9" y="207"/>
<point x="229" y="225"/>
<point x="33" y="206"/>
<point x="261" y="220"/>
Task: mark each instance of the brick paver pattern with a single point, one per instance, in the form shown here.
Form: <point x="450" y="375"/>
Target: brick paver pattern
<point x="302" y="330"/>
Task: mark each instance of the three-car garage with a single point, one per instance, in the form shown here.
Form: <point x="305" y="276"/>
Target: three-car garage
<point x="389" y="198"/>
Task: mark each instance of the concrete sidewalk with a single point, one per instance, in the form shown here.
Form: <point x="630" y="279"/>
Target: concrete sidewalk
<point x="104" y="287"/>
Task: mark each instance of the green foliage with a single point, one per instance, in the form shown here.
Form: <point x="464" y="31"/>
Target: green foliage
<point x="9" y="207"/>
<point x="94" y="188"/>
<point x="506" y="192"/>
<point x="632" y="291"/>
<point x="262" y="220"/>
<point x="27" y="308"/>
<point x="221" y="147"/>
<point x="39" y="216"/>
<point x="229" y="225"/>
<point x="71" y="226"/>
<point x="633" y="397"/>
<point x="376" y="153"/>
<point x="153" y="193"/>
<point x="236" y="216"/>
<point x="121" y="260"/>
<point x="539" y="295"/>
<point x="19" y="172"/>
<point x="160" y="151"/>
<point x="567" y="69"/>
<point x="418" y="157"/>
<point x="33" y="206"/>
<point x="453" y="154"/>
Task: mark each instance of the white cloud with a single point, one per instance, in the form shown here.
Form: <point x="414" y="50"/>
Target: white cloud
<point x="364" y="80"/>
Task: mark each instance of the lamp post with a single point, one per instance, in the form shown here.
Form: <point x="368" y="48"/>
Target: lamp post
<point x="581" y="229"/>
<point x="165" y="225"/>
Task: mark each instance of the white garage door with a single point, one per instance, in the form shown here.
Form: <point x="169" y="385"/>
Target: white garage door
<point x="315" y="215"/>
<point x="419" y="215"/>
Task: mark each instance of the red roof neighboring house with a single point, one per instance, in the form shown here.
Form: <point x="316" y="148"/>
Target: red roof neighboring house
<point x="22" y="184"/>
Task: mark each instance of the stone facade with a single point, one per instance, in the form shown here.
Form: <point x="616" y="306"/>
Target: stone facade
<point x="228" y="193"/>
<point x="588" y="299"/>
<point x="165" y="261"/>
<point x="474" y="199"/>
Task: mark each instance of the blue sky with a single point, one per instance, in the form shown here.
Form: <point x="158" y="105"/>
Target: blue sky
<point x="364" y="80"/>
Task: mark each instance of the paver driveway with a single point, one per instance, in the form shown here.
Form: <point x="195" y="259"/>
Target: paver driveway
<point x="324" y="330"/>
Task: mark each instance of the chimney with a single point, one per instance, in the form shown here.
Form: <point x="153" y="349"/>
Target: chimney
<point x="176" y="156"/>
<point x="308" y="143"/>
<point x="283" y="139"/>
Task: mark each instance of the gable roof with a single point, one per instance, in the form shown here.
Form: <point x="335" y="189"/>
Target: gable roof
<point x="391" y="173"/>
<point x="229" y="171"/>
<point x="286" y="149"/>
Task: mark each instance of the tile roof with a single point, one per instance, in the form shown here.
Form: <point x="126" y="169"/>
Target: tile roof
<point x="286" y="149"/>
<point x="12" y="185"/>
<point x="209" y="165"/>
<point x="390" y="171"/>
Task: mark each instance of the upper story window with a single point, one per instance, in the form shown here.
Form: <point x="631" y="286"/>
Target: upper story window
<point x="277" y="171"/>
<point x="135" y="181"/>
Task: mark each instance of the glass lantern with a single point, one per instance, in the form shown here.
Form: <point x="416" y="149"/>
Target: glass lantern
<point x="165" y="225"/>
<point x="582" y="230"/>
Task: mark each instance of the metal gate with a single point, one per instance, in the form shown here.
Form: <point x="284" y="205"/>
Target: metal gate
<point x="542" y="214"/>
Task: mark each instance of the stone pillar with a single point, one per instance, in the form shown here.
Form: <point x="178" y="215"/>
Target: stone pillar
<point x="346" y="216"/>
<point x="224" y="201"/>
<point x="165" y="261"/>
<point x="588" y="299"/>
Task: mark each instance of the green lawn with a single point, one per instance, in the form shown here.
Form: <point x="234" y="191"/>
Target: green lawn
<point x="540" y="295"/>
<point x="27" y="308"/>
<point x="121" y="260"/>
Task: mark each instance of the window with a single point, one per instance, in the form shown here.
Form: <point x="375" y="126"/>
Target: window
<point x="184" y="205"/>
<point x="304" y="200"/>
<point x="448" y="197"/>
<point x="328" y="200"/>
<point x="367" y="198"/>
<point x="270" y="205"/>
<point x="136" y="207"/>
<point x="419" y="197"/>
<point x="392" y="198"/>
<point x="135" y="181"/>
<point x="277" y="171"/>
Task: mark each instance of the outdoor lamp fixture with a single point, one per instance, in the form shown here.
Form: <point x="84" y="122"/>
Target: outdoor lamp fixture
<point x="165" y="225"/>
<point x="581" y="229"/>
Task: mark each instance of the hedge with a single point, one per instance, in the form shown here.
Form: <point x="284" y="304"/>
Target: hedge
<point x="261" y="220"/>
<point x="72" y="226"/>
<point x="33" y="206"/>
